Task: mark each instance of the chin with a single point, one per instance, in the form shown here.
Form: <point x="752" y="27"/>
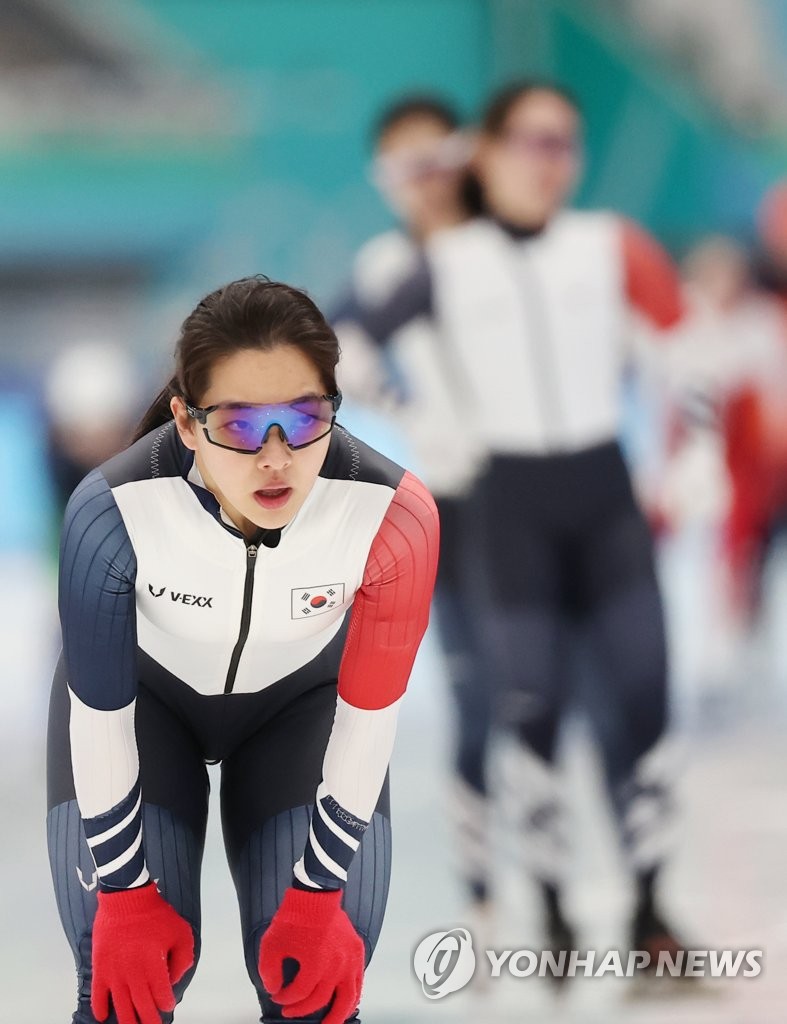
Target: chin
<point x="270" y="520"/>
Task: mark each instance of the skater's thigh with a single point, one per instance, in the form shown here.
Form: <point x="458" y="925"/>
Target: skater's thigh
<point x="267" y="794"/>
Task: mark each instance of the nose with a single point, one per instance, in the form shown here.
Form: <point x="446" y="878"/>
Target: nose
<point x="275" y="453"/>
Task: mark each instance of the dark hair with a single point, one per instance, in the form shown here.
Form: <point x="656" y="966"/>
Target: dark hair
<point x="439" y="110"/>
<point x="415" y="106"/>
<point x="252" y="313"/>
<point x="503" y="102"/>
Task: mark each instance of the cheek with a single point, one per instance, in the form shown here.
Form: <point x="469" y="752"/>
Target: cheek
<point x="511" y="173"/>
<point x="409" y="197"/>
<point x="308" y="467"/>
<point x="225" y="467"/>
<point x="565" y="176"/>
<point x="440" y="188"/>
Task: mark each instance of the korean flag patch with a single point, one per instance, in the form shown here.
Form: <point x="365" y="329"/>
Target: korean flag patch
<point x="309" y="601"/>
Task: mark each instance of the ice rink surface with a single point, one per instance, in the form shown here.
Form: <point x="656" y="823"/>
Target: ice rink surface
<point x="725" y="886"/>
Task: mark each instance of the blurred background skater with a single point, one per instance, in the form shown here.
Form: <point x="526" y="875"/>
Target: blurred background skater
<point x="532" y="301"/>
<point x="420" y="166"/>
<point x="92" y="398"/>
<point x="725" y="488"/>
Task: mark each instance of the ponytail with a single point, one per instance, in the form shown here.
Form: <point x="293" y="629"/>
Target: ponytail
<point x="159" y="411"/>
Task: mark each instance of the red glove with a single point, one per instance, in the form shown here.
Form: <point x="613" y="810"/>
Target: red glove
<point x="141" y="948"/>
<point x="313" y="928"/>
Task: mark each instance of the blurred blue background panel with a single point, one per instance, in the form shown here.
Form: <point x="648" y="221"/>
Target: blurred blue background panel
<point x="26" y="519"/>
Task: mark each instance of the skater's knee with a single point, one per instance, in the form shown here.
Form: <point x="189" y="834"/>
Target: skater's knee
<point x="271" y="1011"/>
<point x="84" y="956"/>
<point x="180" y="988"/>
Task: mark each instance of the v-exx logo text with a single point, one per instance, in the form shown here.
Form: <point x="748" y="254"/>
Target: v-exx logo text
<point x="197" y="601"/>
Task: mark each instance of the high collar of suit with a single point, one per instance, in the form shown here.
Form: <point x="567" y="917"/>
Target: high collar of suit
<point x="519" y="232"/>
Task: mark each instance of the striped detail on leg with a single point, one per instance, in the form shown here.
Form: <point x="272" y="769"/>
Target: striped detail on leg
<point x="532" y="806"/>
<point x="115" y="842"/>
<point x="646" y="808"/>
<point x="470" y="812"/>
<point x="73" y="874"/>
<point x="334" y="837"/>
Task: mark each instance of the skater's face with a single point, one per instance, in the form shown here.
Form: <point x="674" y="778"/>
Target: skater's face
<point x="419" y="167"/>
<point x="267" y="488"/>
<point x="529" y="168"/>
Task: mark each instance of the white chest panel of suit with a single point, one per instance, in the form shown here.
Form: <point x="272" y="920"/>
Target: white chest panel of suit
<point x="191" y="574"/>
<point x="537" y="329"/>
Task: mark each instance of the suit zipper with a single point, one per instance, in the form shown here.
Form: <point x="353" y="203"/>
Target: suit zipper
<point x="245" y="617"/>
<point x="547" y="392"/>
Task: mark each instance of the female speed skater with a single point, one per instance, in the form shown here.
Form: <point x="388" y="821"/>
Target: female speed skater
<point x="532" y="302"/>
<point x="248" y="584"/>
<point x="420" y="166"/>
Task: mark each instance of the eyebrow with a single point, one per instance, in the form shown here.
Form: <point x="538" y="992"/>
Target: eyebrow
<point x="243" y="405"/>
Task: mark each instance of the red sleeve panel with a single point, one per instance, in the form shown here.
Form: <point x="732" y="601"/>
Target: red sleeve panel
<point x="651" y="279"/>
<point x="391" y="608"/>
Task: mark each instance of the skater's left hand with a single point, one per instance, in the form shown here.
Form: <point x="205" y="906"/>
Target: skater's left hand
<point x="313" y="928"/>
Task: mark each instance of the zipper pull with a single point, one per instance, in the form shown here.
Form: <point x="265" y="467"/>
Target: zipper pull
<point x="251" y="551"/>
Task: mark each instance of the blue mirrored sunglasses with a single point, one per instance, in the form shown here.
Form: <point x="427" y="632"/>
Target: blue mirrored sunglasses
<point x="244" y="428"/>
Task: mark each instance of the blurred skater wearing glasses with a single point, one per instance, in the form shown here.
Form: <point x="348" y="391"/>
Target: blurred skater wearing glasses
<point x="247" y="583"/>
<point x="420" y="166"/>
<point x="532" y="302"/>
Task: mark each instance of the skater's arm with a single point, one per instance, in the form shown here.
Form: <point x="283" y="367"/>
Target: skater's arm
<point x="98" y="619"/>
<point x="389" y="618"/>
<point x="651" y="279"/>
<point x="381" y="317"/>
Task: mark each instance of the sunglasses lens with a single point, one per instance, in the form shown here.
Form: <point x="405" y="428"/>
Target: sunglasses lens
<point x="308" y="420"/>
<point x="235" y="428"/>
<point x="244" y="428"/>
<point x="547" y="144"/>
<point x="451" y="153"/>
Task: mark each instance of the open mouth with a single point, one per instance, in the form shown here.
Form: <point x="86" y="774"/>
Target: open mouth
<point x="273" y="497"/>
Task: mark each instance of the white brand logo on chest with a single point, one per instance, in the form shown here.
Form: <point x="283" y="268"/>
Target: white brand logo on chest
<point x="308" y="601"/>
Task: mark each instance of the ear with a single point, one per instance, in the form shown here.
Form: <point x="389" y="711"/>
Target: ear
<point x="184" y="423"/>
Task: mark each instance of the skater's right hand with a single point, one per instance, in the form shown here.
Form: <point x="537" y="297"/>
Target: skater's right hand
<point x="141" y="948"/>
<point x="314" y="929"/>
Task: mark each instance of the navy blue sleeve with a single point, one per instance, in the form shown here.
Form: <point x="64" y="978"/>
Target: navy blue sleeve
<point x="412" y="298"/>
<point x="96" y="598"/>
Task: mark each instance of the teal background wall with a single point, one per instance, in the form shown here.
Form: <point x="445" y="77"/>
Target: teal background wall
<point x="138" y="220"/>
<point x="282" y="186"/>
